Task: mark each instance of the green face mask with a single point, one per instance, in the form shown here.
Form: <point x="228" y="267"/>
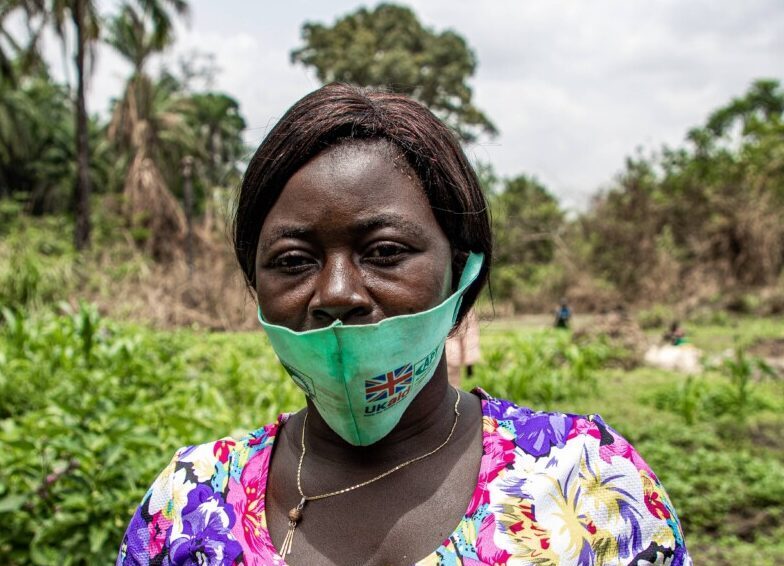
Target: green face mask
<point x="361" y="378"/>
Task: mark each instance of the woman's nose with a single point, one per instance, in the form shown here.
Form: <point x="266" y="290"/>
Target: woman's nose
<point x="340" y="293"/>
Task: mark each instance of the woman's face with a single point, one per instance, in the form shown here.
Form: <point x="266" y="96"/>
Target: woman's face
<point x="351" y="237"/>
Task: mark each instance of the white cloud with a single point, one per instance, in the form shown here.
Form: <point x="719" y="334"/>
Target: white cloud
<point x="573" y="86"/>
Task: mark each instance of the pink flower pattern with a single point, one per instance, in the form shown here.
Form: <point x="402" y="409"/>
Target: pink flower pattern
<point x="246" y="496"/>
<point x="158" y="527"/>
<point x="621" y="447"/>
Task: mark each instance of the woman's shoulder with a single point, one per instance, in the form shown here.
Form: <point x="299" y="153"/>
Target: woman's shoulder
<point x="215" y="462"/>
<point x="208" y="494"/>
<point x="556" y="482"/>
<point x="538" y="433"/>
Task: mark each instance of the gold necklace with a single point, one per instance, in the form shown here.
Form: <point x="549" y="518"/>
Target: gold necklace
<point x="295" y="514"/>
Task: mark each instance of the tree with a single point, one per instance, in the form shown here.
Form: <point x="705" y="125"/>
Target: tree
<point x="19" y="55"/>
<point x="149" y="124"/>
<point x="217" y="120"/>
<point x="762" y="104"/>
<point x="36" y="143"/>
<point x="86" y="25"/>
<point x="739" y="157"/>
<point x="389" y="47"/>
<point x="143" y="28"/>
<point x="527" y="219"/>
<point x="700" y="217"/>
<point x="38" y="162"/>
<point x="622" y="229"/>
<point x="527" y="226"/>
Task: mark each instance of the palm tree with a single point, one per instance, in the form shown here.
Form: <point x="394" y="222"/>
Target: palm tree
<point x="20" y="56"/>
<point x="85" y="21"/>
<point x="217" y="118"/>
<point x="16" y="134"/>
<point x="143" y="28"/>
<point x="149" y="123"/>
<point x="21" y="71"/>
<point x="36" y="142"/>
<point x="219" y="125"/>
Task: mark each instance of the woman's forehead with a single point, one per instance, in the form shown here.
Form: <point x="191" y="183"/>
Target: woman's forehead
<point x="350" y="189"/>
<point x="348" y="148"/>
<point x="363" y="169"/>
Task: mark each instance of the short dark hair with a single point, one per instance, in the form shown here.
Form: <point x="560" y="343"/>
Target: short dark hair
<point x="337" y="113"/>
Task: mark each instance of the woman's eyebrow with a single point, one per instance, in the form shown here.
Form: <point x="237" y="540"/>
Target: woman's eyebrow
<point x="284" y="232"/>
<point x="389" y="221"/>
<point x="362" y="226"/>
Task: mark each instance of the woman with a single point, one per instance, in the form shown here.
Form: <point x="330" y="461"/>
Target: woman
<point x="363" y="231"/>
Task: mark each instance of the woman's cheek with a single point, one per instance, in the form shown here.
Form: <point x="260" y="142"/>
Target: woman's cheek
<point x="283" y="304"/>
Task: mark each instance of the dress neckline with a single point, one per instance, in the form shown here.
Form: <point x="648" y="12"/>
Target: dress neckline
<point x="479" y="489"/>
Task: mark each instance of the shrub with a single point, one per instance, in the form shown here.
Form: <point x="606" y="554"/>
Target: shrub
<point x="658" y="316"/>
<point x="91" y="412"/>
<point x="35" y="268"/>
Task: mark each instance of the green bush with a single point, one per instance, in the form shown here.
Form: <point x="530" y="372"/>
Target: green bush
<point x="713" y="315"/>
<point x="657" y="316"/>
<point x="716" y="488"/>
<point x="687" y="399"/>
<point x="35" y="267"/>
<point x="91" y="412"/>
<point x="530" y="287"/>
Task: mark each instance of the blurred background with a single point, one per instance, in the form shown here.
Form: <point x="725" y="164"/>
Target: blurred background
<point x="632" y="154"/>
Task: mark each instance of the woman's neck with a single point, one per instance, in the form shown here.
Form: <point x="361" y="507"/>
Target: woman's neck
<point x="424" y="425"/>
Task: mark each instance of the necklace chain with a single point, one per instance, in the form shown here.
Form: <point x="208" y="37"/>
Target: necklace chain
<point x="295" y="514"/>
<point x="378" y="477"/>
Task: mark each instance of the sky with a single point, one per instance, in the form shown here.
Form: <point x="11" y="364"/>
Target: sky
<point x="573" y="86"/>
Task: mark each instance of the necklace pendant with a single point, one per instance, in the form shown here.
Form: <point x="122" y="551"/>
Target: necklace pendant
<point x="295" y="516"/>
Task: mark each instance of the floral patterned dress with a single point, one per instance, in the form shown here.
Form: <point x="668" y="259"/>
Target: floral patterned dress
<point x="553" y="489"/>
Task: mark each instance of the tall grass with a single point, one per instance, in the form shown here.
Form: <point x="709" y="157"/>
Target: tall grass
<point x="36" y="268"/>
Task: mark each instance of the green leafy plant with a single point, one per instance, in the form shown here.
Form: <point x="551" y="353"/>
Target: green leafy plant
<point x="541" y="369"/>
<point x="741" y="369"/>
<point x="35" y="267"/>
<point x="90" y="413"/>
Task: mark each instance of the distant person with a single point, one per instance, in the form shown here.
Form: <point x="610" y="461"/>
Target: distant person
<point x="676" y="335"/>
<point x="562" y="315"/>
<point x="462" y="349"/>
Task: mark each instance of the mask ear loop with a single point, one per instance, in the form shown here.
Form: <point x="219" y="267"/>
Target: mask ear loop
<point x="459" y="259"/>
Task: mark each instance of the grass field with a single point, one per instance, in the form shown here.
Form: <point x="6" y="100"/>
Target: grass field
<point x="91" y="410"/>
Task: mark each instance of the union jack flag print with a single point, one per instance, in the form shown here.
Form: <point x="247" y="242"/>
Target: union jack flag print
<point x="389" y="384"/>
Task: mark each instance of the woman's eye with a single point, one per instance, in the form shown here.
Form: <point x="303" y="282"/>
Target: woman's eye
<point x="386" y="253"/>
<point x="291" y="263"/>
